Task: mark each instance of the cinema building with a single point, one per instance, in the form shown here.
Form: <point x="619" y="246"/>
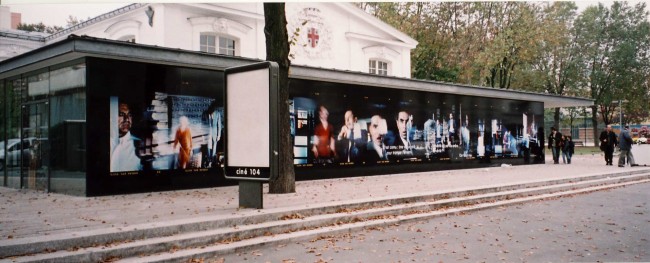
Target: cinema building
<point x="107" y="115"/>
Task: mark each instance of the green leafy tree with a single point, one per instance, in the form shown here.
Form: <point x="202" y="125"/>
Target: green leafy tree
<point x="558" y="61"/>
<point x="40" y="27"/>
<point x="614" y="43"/>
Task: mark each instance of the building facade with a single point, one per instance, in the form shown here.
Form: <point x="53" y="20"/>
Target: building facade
<point x="327" y="35"/>
<point x="90" y="116"/>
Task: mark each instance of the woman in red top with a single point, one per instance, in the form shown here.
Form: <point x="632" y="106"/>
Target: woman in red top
<point x="324" y="151"/>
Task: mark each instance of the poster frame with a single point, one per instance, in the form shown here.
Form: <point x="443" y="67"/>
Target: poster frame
<point x="255" y="173"/>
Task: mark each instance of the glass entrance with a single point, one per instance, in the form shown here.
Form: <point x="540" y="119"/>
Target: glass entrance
<point x="35" y="155"/>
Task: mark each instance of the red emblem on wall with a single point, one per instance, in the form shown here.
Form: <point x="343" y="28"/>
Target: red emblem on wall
<point x="312" y="37"/>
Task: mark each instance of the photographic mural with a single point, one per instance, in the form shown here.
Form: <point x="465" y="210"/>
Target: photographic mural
<point x="177" y="132"/>
<point x="162" y="120"/>
<point x="175" y="123"/>
<point x="339" y="125"/>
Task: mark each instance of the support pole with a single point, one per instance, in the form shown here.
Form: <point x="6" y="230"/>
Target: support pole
<point x="250" y="194"/>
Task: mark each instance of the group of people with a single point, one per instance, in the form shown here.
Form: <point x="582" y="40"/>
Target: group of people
<point x="560" y="145"/>
<point x="609" y="141"/>
<point x="440" y="134"/>
<point x="356" y="144"/>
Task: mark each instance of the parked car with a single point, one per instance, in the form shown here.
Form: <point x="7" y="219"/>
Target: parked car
<point x="15" y="151"/>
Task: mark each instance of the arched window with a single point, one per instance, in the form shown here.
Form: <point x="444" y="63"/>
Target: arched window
<point x="380" y="59"/>
<point x="378" y="67"/>
<point x="212" y="43"/>
<point x="218" y="35"/>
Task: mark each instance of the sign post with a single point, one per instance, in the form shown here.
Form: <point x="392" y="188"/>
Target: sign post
<point x="251" y="132"/>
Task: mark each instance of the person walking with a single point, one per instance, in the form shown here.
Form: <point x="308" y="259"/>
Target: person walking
<point x="608" y="141"/>
<point x="563" y="149"/>
<point x="568" y="149"/>
<point x="554" y="140"/>
<point x="626" y="148"/>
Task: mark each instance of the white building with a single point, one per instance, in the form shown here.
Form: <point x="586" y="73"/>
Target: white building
<point x="327" y="35"/>
<point x="15" y="42"/>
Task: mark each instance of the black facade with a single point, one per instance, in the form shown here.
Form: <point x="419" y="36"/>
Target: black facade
<point x="139" y="118"/>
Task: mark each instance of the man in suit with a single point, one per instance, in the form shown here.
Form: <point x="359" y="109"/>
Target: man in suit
<point x="375" y="148"/>
<point x="351" y="139"/>
<point x="401" y="119"/>
<point x="608" y="142"/>
<point x="554" y="141"/>
<point x="452" y="129"/>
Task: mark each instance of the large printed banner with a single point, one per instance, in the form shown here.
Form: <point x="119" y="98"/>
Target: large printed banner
<point x="182" y="132"/>
<point x="163" y="120"/>
<point x="172" y="121"/>
<point x="337" y="125"/>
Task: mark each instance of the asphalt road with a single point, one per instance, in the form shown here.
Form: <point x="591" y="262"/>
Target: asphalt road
<point x="610" y="225"/>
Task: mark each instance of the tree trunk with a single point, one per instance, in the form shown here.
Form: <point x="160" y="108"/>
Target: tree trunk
<point x="556" y="119"/>
<point x="277" y="50"/>
<point x="594" y="122"/>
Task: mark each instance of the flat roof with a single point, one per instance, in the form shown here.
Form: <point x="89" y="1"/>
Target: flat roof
<point x="82" y="46"/>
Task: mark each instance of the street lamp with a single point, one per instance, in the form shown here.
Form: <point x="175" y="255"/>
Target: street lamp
<point x="584" y="110"/>
<point x="620" y="106"/>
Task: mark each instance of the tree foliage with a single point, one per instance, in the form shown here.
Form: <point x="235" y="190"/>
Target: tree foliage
<point x="40" y="27"/>
<point x="614" y="44"/>
<point x="601" y="53"/>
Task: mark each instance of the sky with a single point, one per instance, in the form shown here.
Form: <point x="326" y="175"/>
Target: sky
<point x="56" y="12"/>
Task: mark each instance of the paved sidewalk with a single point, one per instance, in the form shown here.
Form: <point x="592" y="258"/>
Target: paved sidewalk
<point x="26" y="213"/>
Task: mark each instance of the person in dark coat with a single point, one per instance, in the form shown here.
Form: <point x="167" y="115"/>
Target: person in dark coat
<point x="625" y="143"/>
<point x="608" y="140"/>
<point x="554" y="141"/>
<point x="568" y="149"/>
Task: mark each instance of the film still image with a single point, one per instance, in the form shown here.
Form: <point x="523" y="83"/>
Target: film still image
<point x="330" y="134"/>
<point x="170" y="132"/>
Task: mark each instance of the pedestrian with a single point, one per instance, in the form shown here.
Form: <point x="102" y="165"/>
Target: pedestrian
<point x="568" y="149"/>
<point x="554" y="140"/>
<point x="563" y="149"/>
<point x="608" y="141"/>
<point x="625" y="144"/>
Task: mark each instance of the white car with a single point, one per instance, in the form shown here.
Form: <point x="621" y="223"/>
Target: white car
<point x="14" y="153"/>
<point x="642" y="140"/>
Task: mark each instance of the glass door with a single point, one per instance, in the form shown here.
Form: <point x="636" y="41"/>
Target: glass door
<point x="35" y="155"/>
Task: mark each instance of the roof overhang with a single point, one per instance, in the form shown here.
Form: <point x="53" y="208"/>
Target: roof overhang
<point x="358" y="78"/>
<point x="76" y="47"/>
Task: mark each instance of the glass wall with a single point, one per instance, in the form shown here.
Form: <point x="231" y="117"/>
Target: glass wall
<point x="68" y="129"/>
<point x="35" y="127"/>
<point x="3" y="138"/>
<point x="15" y="151"/>
<point x="43" y="131"/>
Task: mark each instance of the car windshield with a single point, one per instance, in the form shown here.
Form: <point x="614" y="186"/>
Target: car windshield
<point x="10" y="143"/>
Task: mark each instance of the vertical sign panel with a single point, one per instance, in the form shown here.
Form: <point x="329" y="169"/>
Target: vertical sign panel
<point x="250" y="94"/>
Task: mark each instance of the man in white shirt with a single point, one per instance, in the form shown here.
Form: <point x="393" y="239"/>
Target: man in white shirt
<point x="123" y="157"/>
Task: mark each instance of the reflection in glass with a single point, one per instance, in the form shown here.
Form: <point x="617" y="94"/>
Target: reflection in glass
<point x="68" y="129"/>
<point x="14" y="92"/>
